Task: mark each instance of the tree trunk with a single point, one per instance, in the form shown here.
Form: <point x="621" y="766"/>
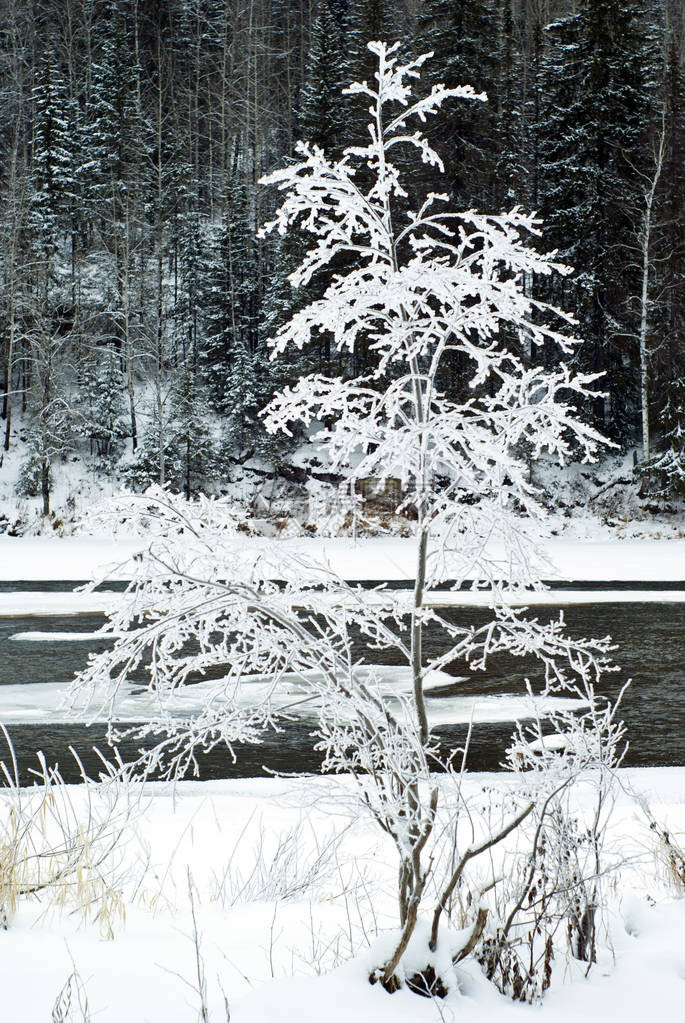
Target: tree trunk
<point x="644" y="295"/>
<point x="45" y="485"/>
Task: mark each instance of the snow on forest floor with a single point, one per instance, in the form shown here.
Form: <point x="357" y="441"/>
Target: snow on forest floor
<point x="290" y="885"/>
<point x="601" y="501"/>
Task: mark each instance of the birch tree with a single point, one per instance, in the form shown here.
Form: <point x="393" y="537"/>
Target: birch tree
<point x="204" y="607"/>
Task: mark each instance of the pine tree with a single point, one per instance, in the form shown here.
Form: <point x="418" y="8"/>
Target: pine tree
<point x="596" y="76"/>
<point x="668" y="361"/>
<point x="120" y="141"/>
<point x="465" y="39"/>
<point x="322" y="119"/>
<point x="236" y="377"/>
<point x="119" y="187"/>
<point x="510" y="186"/>
<point x="191" y="458"/>
<point x="177" y="447"/>
<point x="190" y="267"/>
<point x="53" y="157"/>
<point x="102" y="407"/>
<point x="49" y="316"/>
<point x="365" y="21"/>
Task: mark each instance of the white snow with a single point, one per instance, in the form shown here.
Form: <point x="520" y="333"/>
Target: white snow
<point x="37" y="604"/>
<point x="300" y="955"/>
<point x="57" y="637"/>
<point x="79" y="558"/>
<point x="70" y="557"/>
<point x="293" y="953"/>
<point x="48" y="605"/>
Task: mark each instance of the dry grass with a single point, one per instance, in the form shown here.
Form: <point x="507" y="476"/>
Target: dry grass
<point x="71" y="1004"/>
<point x="62" y="844"/>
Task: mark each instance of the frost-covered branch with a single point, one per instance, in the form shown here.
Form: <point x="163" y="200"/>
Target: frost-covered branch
<point x="230" y="640"/>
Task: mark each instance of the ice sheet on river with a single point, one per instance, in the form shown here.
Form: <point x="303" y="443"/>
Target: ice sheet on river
<point x="37" y="703"/>
<point x="15" y="605"/>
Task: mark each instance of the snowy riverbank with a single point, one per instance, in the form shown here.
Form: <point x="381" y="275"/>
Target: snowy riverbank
<point x="591" y="558"/>
<point x="276" y="929"/>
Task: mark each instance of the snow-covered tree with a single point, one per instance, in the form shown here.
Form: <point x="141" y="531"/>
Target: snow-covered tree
<point x="194" y="456"/>
<point x="596" y="80"/>
<point x="465" y="37"/>
<point x="177" y="442"/>
<point x="237" y="379"/>
<point x="271" y="633"/>
<point x="322" y="120"/>
<point x="103" y="410"/>
<point x="52" y="145"/>
<point x="321" y="111"/>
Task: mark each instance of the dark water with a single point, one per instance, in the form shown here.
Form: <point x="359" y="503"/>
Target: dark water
<point x="651" y="638"/>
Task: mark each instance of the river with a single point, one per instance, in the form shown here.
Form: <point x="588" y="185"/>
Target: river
<point x="650" y="637"/>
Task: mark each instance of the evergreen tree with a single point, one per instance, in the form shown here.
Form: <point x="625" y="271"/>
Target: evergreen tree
<point x="364" y="22"/>
<point x="120" y="191"/>
<point x="668" y="360"/>
<point x="465" y="39"/>
<point x="102" y="407"/>
<point x="191" y="457"/>
<point x="120" y="141"/>
<point x="510" y="184"/>
<point x="235" y="371"/>
<point x="49" y="318"/>
<point x="177" y="448"/>
<point x="190" y="267"/>
<point x="321" y="119"/>
<point x="53" y="162"/>
<point x="596" y="77"/>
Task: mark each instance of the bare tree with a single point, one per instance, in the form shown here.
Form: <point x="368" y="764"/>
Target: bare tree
<point x="199" y="602"/>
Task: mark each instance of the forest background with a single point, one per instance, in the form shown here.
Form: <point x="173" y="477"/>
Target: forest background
<point x="136" y="298"/>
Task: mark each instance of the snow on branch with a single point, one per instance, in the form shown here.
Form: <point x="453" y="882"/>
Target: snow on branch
<point x="231" y="640"/>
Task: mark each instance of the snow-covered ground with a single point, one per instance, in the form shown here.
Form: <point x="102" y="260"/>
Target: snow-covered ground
<point x="601" y="501"/>
<point x="290" y="887"/>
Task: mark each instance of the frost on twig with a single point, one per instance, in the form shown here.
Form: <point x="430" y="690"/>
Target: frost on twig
<point x="232" y="640"/>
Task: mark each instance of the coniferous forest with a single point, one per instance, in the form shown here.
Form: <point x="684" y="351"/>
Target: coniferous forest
<point x="136" y="299"/>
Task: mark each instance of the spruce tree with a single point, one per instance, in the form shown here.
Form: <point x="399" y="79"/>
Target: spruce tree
<point x="50" y="320"/>
<point x="510" y="185"/>
<point x="102" y="418"/>
<point x="366" y="21"/>
<point x="668" y="359"/>
<point x="120" y="140"/>
<point x="53" y="158"/>
<point x="465" y="39"/>
<point x="235" y="374"/>
<point x="321" y="115"/>
<point x="190" y="267"/>
<point x="595" y="78"/>
<point x="321" y="120"/>
<point x="191" y="456"/>
<point x="120" y="191"/>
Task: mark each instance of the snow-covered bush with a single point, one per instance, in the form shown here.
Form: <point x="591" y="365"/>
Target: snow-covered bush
<point x="264" y="634"/>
